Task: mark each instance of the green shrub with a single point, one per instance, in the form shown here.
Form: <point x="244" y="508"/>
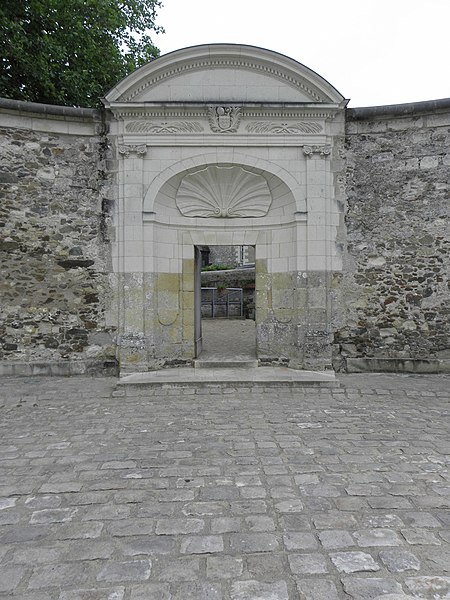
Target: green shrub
<point x="217" y="268"/>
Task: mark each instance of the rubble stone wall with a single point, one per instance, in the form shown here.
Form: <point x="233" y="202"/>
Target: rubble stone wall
<point x="54" y="247"/>
<point x="392" y="301"/>
<point x="396" y="297"/>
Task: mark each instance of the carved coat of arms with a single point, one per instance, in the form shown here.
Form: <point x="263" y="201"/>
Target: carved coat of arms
<point x="224" y="119"/>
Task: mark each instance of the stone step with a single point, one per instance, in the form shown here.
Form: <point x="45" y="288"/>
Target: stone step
<point x="225" y="363"/>
<point x="260" y="377"/>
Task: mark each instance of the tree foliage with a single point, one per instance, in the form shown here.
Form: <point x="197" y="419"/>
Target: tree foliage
<point x="72" y="52"/>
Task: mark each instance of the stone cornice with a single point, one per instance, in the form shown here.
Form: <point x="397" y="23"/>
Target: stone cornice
<point x="147" y="111"/>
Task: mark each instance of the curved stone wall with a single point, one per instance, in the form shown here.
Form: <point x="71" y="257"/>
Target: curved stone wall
<point x="57" y="181"/>
<point x="54" y="215"/>
<point x="395" y="286"/>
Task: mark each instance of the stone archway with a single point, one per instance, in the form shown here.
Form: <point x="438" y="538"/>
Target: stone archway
<point x="251" y="156"/>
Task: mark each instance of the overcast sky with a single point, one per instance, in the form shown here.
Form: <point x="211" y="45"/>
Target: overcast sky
<point x="373" y="51"/>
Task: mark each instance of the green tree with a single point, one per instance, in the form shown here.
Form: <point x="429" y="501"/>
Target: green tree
<point x="72" y="52"/>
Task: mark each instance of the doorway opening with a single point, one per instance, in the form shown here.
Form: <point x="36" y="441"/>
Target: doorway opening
<point x="225" y="303"/>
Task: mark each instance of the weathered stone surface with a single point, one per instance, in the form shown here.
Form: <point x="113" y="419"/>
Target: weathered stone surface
<point x="317" y="589"/>
<point x="94" y="594"/>
<point x="377" y="537"/>
<point x="175" y="526"/>
<point x="299" y="541"/>
<point x="80" y="418"/>
<point x="352" y="562"/>
<point x="289" y="506"/>
<point x="250" y="590"/>
<point x="394" y="597"/>
<point x="368" y="588"/>
<point x="307" y="564"/>
<point x="10" y="578"/>
<point x="336" y="539"/>
<point x="433" y="587"/>
<point x="151" y="591"/>
<point x="390" y="302"/>
<point x="253" y="542"/>
<point x="148" y="545"/>
<point x="224" y="567"/>
<point x="55" y="292"/>
<point x="137" y="570"/>
<point x="398" y="561"/>
<point x="198" y="591"/>
<point x="201" y="544"/>
<point x="177" y="569"/>
<point x="58" y="574"/>
<point x="394" y="286"/>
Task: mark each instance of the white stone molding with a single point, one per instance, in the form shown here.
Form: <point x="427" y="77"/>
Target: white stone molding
<point x="266" y="65"/>
<point x="127" y="149"/>
<point x="227" y="157"/>
<point x="178" y="111"/>
<point x="284" y="128"/>
<point x="223" y="192"/>
<point x="321" y="151"/>
<point x="163" y="127"/>
<point x="224" y="118"/>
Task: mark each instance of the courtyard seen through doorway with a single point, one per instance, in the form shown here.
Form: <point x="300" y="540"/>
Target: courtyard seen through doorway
<point x="225" y="303"/>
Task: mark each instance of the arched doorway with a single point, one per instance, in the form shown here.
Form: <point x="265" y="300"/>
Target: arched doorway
<point x="226" y="145"/>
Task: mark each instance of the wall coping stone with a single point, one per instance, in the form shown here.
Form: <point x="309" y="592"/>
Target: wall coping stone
<point x="397" y="110"/>
<point x="70" y="112"/>
<point x="353" y="114"/>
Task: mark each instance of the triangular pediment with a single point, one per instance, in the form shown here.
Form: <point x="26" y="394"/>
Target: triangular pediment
<point x="223" y="73"/>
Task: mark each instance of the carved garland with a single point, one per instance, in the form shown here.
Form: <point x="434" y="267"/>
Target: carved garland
<point x="223" y="119"/>
<point x="163" y="127"/>
<point x="284" y="128"/>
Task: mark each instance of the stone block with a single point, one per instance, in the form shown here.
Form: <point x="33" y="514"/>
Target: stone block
<point x="317" y="589"/>
<point x="116" y="593"/>
<point x="206" y="544"/>
<point x="290" y="506"/>
<point x="299" y="541"/>
<point x="57" y="575"/>
<point x="174" y="570"/>
<point x="398" y="561"/>
<point x="224" y="567"/>
<point x="334" y="538"/>
<point x="115" y="571"/>
<point x="429" y="162"/>
<point x="353" y="562"/>
<point x="250" y="590"/>
<point x="179" y="526"/>
<point x="377" y="537"/>
<point x="308" y="564"/>
<point x="198" y="591"/>
<point x="370" y="588"/>
<point x="253" y="542"/>
<point x="10" y="577"/>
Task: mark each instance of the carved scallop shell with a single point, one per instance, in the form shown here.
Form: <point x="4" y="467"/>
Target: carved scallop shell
<point x="223" y="192"/>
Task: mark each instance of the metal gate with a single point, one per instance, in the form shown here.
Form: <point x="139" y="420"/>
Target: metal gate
<point x="225" y="303"/>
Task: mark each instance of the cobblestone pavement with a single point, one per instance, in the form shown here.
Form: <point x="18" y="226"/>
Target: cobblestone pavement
<point x="225" y="494"/>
